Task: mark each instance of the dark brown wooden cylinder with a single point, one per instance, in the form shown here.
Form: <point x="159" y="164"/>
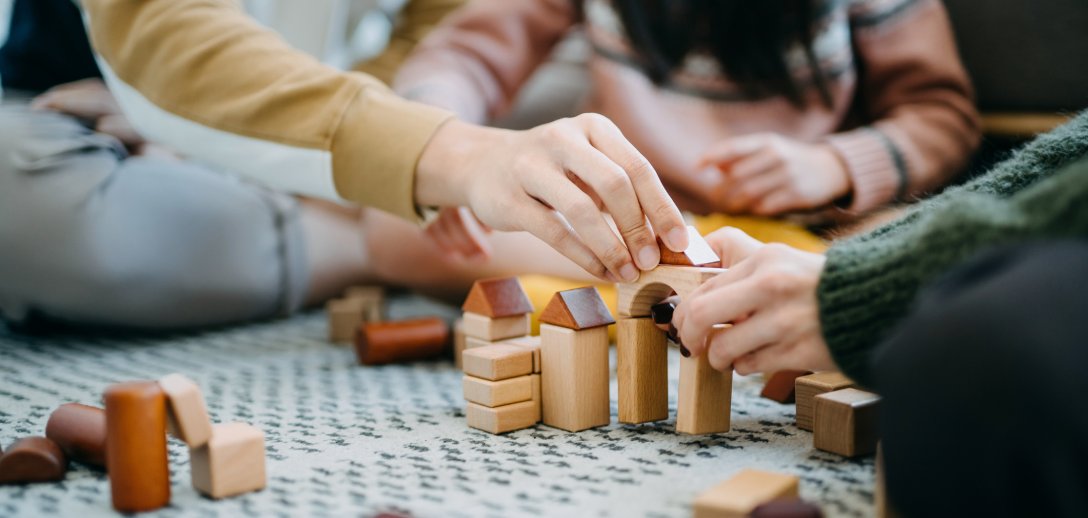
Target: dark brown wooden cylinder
<point x="404" y="341"/>
<point x="80" y="431"/>
<point x="32" y="459"/>
<point x="136" y="446"/>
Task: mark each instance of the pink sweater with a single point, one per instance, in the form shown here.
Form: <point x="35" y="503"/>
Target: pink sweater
<point x="902" y="119"/>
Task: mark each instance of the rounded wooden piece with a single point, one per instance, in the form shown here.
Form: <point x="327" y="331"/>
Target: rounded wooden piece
<point x="136" y="446"/>
<point x="404" y="341"/>
<point x="32" y="459"/>
<point x="80" y="431"/>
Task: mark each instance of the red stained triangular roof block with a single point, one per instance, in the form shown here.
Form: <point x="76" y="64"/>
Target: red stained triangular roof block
<point x="698" y="252"/>
<point x="580" y="308"/>
<point x="497" y="298"/>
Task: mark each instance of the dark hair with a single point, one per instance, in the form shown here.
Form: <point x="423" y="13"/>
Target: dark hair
<point x="749" y="38"/>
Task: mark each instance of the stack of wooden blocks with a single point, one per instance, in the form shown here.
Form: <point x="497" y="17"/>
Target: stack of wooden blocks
<point x="842" y="418"/>
<point x="497" y="311"/>
<point x="360" y="304"/>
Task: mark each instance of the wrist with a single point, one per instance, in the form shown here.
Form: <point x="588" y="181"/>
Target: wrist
<point x="442" y="170"/>
<point x="837" y="176"/>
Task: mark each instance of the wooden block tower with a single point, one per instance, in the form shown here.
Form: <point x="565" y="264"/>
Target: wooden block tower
<point x="501" y="390"/>
<point x="497" y="311"/>
<point x="574" y="360"/>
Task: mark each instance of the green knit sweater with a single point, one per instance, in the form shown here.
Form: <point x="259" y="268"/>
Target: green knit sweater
<point x="869" y="282"/>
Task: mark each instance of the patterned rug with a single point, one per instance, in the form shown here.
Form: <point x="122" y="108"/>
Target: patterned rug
<point x="349" y="440"/>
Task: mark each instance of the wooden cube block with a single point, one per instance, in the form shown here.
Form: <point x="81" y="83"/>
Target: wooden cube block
<point x="808" y="387"/>
<point x="704" y="397"/>
<point x="187" y="417"/>
<point x="345" y="315"/>
<point x="574" y="377"/>
<point x="231" y="463"/>
<point x="371" y="300"/>
<point x="531" y="343"/>
<point x="635" y="299"/>
<point x="780" y="386"/>
<point x="459" y="341"/>
<point x="642" y="371"/>
<point x="846" y="422"/>
<point x="741" y="494"/>
<point x="497" y="393"/>
<point x="494" y="329"/>
<point x="497" y="362"/>
<point x="506" y="418"/>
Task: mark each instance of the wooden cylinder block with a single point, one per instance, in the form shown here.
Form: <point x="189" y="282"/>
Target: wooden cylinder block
<point x="80" y="431"/>
<point x="403" y="341"/>
<point x="136" y="446"/>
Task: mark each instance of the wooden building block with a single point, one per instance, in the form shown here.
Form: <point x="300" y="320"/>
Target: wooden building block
<point x="531" y="343"/>
<point x="136" y="458"/>
<point x="642" y="371"/>
<point x="808" y="387"/>
<point x="187" y="417"/>
<point x="780" y="386"/>
<point x="580" y="308"/>
<point x="231" y="463"/>
<point x="704" y="397"/>
<point x="787" y="509"/>
<point x="537" y="398"/>
<point x="371" y="300"/>
<point x="497" y="393"/>
<point x="33" y="459"/>
<point x="459" y="341"/>
<point x="80" y="431"/>
<point x="345" y="316"/>
<point x="471" y="342"/>
<point x="497" y="298"/>
<point x="506" y="418"/>
<point x="497" y="362"/>
<point x="403" y="341"/>
<point x="494" y="329"/>
<point x="741" y="494"/>
<point x="636" y="298"/>
<point x="698" y="252"/>
<point x="845" y="422"/>
<point x="574" y="377"/>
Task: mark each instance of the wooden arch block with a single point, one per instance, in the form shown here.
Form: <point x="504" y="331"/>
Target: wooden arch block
<point x="636" y="298"/>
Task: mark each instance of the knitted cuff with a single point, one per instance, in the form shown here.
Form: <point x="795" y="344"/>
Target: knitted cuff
<point x="876" y="169"/>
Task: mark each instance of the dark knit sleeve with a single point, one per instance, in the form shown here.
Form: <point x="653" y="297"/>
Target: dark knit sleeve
<point x="869" y="283"/>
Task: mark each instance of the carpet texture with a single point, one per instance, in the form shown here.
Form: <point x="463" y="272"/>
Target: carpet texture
<point x="349" y="440"/>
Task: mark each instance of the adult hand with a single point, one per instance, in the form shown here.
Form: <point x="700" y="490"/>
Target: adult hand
<point x="768" y="174"/>
<point x="769" y="295"/>
<point x="556" y="181"/>
<point x="459" y="233"/>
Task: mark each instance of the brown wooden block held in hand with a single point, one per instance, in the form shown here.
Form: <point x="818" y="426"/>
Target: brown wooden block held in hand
<point x="698" y="252"/>
<point x="497" y="393"/>
<point x="574" y="377"/>
<point x="403" y="341"/>
<point x="808" y="387"/>
<point x="33" y="459"/>
<point x="136" y="446"/>
<point x="846" y="422"/>
<point x="497" y="298"/>
<point x="80" y="431"/>
<point x="642" y="371"/>
<point x="187" y="416"/>
<point x="231" y="463"/>
<point x="492" y="329"/>
<point x="506" y="418"/>
<point x="741" y="494"/>
<point x="497" y="362"/>
<point x="781" y="386"/>
<point x="704" y="397"/>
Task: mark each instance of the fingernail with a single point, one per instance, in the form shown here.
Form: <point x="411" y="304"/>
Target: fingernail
<point x="674" y="334"/>
<point x="678" y="239"/>
<point x="684" y="351"/>
<point x="629" y="272"/>
<point x="647" y="257"/>
<point x="662" y="313"/>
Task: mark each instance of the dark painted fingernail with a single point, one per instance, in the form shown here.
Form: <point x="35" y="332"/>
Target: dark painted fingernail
<point x="684" y="351"/>
<point x="662" y="313"/>
<point x="673" y="333"/>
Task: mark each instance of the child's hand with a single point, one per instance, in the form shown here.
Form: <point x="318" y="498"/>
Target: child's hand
<point x="458" y="233"/>
<point x="769" y="295"/>
<point x="768" y="174"/>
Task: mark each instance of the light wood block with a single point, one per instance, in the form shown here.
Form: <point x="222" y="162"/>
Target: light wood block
<point x="471" y="342"/>
<point x="497" y="362"/>
<point x="506" y="418"/>
<point x="187" y="416"/>
<point x="345" y="316"/>
<point x="781" y="386"/>
<point x="642" y="371"/>
<point x="846" y="422"/>
<point x="231" y="463"/>
<point x="459" y="341"/>
<point x="635" y="299"/>
<point x="574" y="377"/>
<point x="370" y="298"/>
<point x="531" y="343"/>
<point x="497" y="393"/>
<point x="537" y="396"/>
<point x="494" y="329"/>
<point x="808" y="387"/>
<point x="704" y="397"/>
<point x="738" y="496"/>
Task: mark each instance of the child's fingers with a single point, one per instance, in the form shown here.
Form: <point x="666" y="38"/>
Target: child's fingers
<point x="728" y="151"/>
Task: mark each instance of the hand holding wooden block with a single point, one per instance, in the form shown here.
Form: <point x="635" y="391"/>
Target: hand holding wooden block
<point x="231" y="463"/>
<point x="635" y="299"/>
<point x="187" y="416"/>
<point x="698" y="252"/>
<point x="80" y="431"/>
<point x="741" y="494"/>
<point x="32" y="459"/>
<point x="846" y="422"/>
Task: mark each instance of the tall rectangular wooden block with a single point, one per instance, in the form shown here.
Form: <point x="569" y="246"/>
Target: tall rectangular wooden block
<point x="574" y="377"/>
<point x="642" y="371"/>
<point x="846" y="422"/>
<point x="704" y="397"/>
<point x="493" y="329"/>
<point x="738" y="496"/>
<point x="808" y="387"/>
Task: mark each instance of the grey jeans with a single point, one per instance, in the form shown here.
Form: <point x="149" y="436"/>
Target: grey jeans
<point x="90" y="235"/>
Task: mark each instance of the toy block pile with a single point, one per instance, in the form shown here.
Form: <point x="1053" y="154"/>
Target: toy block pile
<point x="359" y="304"/>
<point x="842" y="418"/>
